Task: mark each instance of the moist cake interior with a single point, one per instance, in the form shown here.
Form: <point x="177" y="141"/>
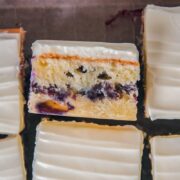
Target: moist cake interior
<point x="84" y="79"/>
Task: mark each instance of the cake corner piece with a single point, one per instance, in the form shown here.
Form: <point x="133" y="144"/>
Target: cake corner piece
<point x="11" y="79"/>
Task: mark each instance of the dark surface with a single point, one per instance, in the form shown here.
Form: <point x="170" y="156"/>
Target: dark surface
<point x="83" y="20"/>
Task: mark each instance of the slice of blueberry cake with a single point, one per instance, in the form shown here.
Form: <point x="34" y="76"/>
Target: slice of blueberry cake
<point x="84" y="79"/>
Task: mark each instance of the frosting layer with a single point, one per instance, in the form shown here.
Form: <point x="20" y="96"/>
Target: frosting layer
<point x="165" y="153"/>
<point x="11" y="159"/>
<point x="162" y="45"/>
<point x="123" y="51"/>
<point x="10" y="120"/>
<point x="66" y="150"/>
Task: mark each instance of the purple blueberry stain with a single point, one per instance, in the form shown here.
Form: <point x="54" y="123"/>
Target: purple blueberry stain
<point x="33" y="75"/>
<point x="70" y="106"/>
<point x="96" y="92"/>
<point x="102" y="90"/>
<point x="129" y="88"/>
<point x="135" y="97"/>
<point x="125" y="88"/>
<point x="110" y="91"/>
<point x="52" y="90"/>
<point x="33" y="58"/>
<point x="62" y="95"/>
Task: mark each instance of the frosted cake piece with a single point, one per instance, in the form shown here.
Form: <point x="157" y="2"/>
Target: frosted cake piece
<point x="165" y="156"/>
<point x="85" y="79"/>
<point x="11" y="159"/>
<point x="70" y="150"/>
<point x="162" y="49"/>
<point x="11" y="84"/>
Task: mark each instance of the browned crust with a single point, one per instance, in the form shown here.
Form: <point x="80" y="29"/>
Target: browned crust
<point x="145" y="84"/>
<point x="11" y="30"/>
<point x="54" y="122"/>
<point x="100" y="60"/>
<point x="145" y="68"/>
<point x="22" y="155"/>
<point x="21" y="74"/>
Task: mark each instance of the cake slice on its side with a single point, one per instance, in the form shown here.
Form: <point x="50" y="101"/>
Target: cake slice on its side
<point x="11" y="159"/>
<point x="85" y="79"/>
<point x="165" y="156"/>
<point x="162" y="47"/>
<point x="11" y="81"/>
<point x="71" y="150"/>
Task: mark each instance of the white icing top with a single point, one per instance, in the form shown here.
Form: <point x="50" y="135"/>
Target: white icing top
<point x="11" y="161"/>
<point x="123" y="51"/>
<point x="66" y="151"/>
<point x="165" y="153"/>
<point x="9" y="88"/>
<point x="162" y="43"/>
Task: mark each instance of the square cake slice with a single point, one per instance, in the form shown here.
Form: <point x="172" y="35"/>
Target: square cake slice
<point x="71" y="150"/>
<point x="162" y="49"/>
<point x="165" y="156"/>
<point x="11" y="159"/>
<point x="84" y="79"/>
<point x="11" y="82"/>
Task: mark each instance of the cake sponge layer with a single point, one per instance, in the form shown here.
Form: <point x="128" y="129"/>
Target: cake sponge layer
<point x="82" y="74"/>
<point x="81" y="106"/>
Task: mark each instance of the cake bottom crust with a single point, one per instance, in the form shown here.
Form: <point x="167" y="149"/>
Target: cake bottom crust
<point x="121" y="109"/>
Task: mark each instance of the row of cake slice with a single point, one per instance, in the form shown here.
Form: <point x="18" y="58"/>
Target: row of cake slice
<point x="72" y="150"/>
<point x="91" y="79"/>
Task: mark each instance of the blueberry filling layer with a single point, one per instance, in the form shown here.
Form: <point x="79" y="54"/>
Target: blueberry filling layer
<point x="52" y="90"/>
<point x="97" y="92"/>
<point x="100" y="91"/>
<point x="103" y="90"/>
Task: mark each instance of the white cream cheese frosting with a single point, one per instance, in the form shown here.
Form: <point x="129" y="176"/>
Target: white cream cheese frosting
<point x="9" y="85"/>
<point x="123" y="51"/>
<point x="9" y="52"/>
<point x="162" y="45"/>
<point x="70" y="150"/>
<point x="165" y="156"/>
<point x="11" y="159"/>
